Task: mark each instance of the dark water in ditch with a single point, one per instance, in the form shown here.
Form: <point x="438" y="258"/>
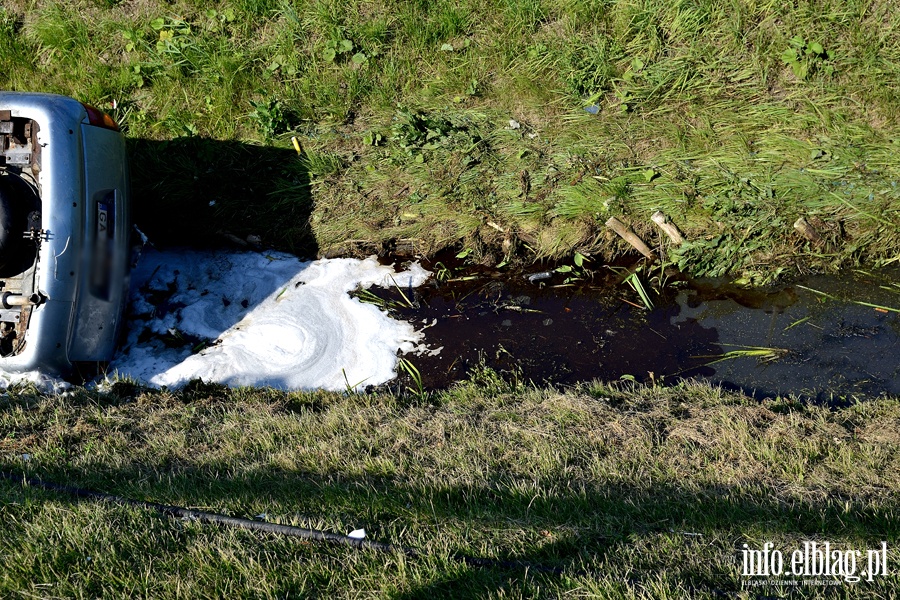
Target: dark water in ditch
<point x="789" y="340"/>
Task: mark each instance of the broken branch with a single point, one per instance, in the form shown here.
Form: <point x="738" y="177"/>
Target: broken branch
<point x="808" y="231"/>
<point x="630" y="236"/>
<point x="668" y="227"/>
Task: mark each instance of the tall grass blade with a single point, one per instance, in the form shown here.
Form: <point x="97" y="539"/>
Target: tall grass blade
<point x="635" y="283"/>
<point x="409" y="303"/>
<point x="860" y="302"/>
<point x="761" y="353"/>
<point x="414" y="374"/>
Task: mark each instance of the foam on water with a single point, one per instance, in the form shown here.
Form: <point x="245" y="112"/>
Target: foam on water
<point x="265" y="319"/>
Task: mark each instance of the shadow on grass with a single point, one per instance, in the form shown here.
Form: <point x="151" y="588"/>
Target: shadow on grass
<point x="623" y="530"/>
<point x="197" y="191"/>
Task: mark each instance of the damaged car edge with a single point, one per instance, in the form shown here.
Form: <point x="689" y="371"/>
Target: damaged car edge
<point x="64" y="233"/>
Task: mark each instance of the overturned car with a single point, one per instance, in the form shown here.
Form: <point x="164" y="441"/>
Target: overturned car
<point x="64" y="233"/>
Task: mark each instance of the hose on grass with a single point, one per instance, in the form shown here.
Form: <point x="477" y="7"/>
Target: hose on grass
<point x="314" y="535"/>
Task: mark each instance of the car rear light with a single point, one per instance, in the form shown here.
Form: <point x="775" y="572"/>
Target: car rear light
<point x="98" y="118"/>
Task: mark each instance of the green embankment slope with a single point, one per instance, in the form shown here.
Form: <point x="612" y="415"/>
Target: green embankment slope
<point x="464" y="123"/>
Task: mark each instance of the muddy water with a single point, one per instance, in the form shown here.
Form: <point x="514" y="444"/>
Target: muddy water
<point x="828" y="349"/>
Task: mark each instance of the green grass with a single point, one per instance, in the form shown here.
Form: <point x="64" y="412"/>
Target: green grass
<point x="733" y="118"/>
<point x="634" y="492"/>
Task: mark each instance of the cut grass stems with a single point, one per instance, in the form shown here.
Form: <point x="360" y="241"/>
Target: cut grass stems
<point x="761" y="353"/>
<point x="635" y="283"/>
<point x="859" y="302"/>
<point x="370" y="297"/>
<point x="351" y="389"/>
<point x="406" y="301"/>
<point x="633" y="280"/>
<point x="410" y="369"/>
<point x="798" y="322"/>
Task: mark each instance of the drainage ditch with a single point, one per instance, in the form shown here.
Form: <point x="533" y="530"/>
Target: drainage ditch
<point x="832" y="339"/>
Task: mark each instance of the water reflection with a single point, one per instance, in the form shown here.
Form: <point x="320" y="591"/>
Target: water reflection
<point x="826" y="349"/>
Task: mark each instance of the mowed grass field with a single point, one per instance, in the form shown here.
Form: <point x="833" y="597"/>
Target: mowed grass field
<point x="511" y="128"/>
<point x="629" y="492"/>
<point x="510" y="131"/>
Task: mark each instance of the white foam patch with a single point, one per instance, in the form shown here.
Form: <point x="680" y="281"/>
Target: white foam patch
<point x="265" y="319"/>
<point x="44" y="383"/>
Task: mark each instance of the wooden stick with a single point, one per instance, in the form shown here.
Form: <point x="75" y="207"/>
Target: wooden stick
<point x="668" y="227"/>
<point x="630" y="236"/>
<point x="808" y="231"/>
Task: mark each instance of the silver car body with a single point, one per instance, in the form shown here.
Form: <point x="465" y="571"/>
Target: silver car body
<point x="69" y="306"/>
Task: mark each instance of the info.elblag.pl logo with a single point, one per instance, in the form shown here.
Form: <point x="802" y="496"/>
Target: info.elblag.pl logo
<point x="815" y="559"/>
